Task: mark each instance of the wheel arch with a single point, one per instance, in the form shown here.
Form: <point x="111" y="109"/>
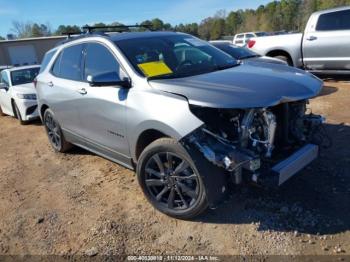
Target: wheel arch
<point x="280" y="52"/>
<point x="13" y="107"/>
<point x="43" y="108"/>
<point x="146" y="138"/>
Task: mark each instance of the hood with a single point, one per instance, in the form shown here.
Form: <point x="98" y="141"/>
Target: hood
<point x="25" y="89"/>
<point x="265" y="59"/>
<point x="244" y="86"/>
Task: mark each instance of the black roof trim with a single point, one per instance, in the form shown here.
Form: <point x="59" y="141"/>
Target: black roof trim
<point x="120" y="28"/>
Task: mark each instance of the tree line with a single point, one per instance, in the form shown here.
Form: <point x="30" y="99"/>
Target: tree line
<point x="284" y="15"/>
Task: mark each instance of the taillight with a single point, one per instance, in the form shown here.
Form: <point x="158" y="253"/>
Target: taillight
<point x="251" y="43"/>
<point x="35" y="81"/>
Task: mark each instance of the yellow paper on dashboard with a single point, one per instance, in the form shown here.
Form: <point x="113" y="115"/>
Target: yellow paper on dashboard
<point x="156" y="68"/>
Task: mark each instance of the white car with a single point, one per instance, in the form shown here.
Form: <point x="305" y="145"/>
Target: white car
<point x="18" y="94"/>
<point x="243" y="38"/>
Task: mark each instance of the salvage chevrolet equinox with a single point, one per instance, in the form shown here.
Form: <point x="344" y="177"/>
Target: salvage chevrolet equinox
<point x="187" y="117"/>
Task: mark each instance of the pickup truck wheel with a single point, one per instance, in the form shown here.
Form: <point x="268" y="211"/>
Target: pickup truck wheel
<point x="54" y="133"/>
<point x="285" y="59"/>
<point x="170" y="180"/>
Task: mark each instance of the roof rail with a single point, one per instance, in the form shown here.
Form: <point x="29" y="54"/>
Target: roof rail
<point x="120" y="28"/>
<point x="69" y="34"/>
<point x="88" y="31"/>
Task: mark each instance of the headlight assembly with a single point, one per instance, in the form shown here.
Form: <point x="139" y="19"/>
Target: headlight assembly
<point x="27" y="96"/>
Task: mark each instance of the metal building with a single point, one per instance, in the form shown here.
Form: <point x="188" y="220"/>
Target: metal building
<point x="26" y="51"/>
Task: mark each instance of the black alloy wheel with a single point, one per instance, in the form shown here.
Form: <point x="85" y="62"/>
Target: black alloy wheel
<point x="170" y="180"/>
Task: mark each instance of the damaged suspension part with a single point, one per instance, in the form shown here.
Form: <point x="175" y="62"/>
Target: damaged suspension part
<point x="221" y="153"/>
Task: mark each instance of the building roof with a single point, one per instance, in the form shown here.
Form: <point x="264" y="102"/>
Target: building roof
<point x="33" y="39"/>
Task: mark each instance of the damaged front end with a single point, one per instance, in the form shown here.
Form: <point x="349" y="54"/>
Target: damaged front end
<point x="260" y="145"/>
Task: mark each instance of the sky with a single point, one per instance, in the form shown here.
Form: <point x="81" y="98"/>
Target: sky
<point x="83" y="12"/>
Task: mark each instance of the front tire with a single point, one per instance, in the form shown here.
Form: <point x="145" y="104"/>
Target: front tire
<point x="285" y="59"/>
<point x="170" y="180"/>
<point x="54" y="133"/>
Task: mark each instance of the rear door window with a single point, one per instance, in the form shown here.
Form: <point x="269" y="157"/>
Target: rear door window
<point x="339" y="20"/>
<point x="68" y="64"/>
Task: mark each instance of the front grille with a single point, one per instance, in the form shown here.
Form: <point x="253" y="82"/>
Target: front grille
<point x="30" y="110"/>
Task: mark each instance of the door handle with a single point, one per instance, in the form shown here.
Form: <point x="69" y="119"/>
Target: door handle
<point x="311" y="38"/>
<point x="50" y="84"/>
<point x="82" y="91"/>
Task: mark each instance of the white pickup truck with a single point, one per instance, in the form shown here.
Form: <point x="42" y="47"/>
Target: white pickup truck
<point x="324" y="47"/>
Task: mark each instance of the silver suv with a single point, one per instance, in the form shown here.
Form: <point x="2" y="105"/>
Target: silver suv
<point x="186" y="116"/>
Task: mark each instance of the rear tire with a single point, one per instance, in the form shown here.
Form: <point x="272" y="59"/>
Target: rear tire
<point x="285" y="59"/>
<point x="17" y="114"/>
<point x="54" y="133"/>
<point x="170" y="180"/>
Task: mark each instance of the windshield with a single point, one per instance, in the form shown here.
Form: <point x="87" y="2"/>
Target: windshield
<point x="236" y="52"/>
<point x="24" y="76"/>
<point x="173" y="56"/>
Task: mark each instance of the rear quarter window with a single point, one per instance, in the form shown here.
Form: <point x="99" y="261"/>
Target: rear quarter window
<point x="56" y="66"/>
<point x="46" y="60"/>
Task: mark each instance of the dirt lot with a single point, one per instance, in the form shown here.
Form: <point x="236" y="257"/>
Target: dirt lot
<point x="79" y="203"/>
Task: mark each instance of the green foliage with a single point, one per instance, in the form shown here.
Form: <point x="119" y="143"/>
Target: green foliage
<point x="187" y="28"/>
<point x="1" y="38"/>
<point x="286" y="15"/>
<point x="28" y="29"/>
<point x="40" y="30"/>
<point x="62" y="29"/>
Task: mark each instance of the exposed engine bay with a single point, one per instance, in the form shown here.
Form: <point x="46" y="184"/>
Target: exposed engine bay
<point x="249" y="142"/>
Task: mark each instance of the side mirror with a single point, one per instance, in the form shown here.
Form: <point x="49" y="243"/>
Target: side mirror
<point x="4" y="86"/>
<point x="108" y="79"/>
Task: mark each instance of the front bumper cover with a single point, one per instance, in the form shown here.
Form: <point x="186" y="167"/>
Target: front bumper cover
<point x="296" y="162"/>
<point x="289" y="167"/>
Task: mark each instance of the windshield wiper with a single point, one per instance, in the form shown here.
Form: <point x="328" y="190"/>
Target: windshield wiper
<point x="171" y="76"/>
<point x="249" y="56"/>
<point x="222" y="67"/>
<point x="167" y="76"/>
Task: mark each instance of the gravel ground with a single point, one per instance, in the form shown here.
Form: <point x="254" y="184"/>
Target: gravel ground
<point x="79" y="203"/>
